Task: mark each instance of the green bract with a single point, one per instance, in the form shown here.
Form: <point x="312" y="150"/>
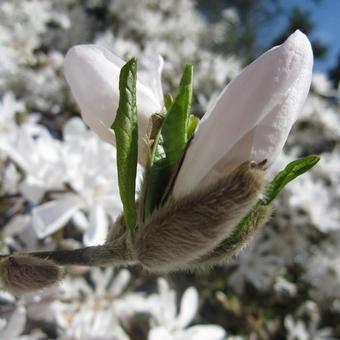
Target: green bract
<point x="126" y="131"/>
<point x="170" y="143"/>
<point x="289" y="173"/>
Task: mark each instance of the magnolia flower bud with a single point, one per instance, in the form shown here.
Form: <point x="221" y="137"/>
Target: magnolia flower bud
<point x="92" y="72"/>
<point x="25" y="273"/>
<point x="193" y="226"/>
<point x="252" y="116"/>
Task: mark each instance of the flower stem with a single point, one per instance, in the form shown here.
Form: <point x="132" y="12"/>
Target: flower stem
<point x="112" y="253"/>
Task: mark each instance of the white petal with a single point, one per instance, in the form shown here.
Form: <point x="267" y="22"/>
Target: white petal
<point x="18" y="153"/>
<point x="266" y="140"/>
<point x="151" y="77"/>
<point x="80" y="220"/>
<point x="51" y="216"/>
<point x="74" y="128"/>
<point x="188" y="309"/>
<point x="92" y="72"/>
<point x="272" y="132"/>
<point x="158" y="333"/>
<point x="98" y="227"/>
<point x="120" y="282"/>
<point x="242" y="105"/>
<point x="205" y="332"/>
<point x="93" y="75"/>
<point x="15" y="325"/>
<point x="32" y="189"/>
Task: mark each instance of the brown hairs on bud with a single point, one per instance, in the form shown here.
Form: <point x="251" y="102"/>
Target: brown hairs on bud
<point x="194" y="225"/>
<point x="24" y="273"/>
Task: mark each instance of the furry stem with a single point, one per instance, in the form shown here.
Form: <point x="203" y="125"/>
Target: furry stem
<point x="112" y="253"/>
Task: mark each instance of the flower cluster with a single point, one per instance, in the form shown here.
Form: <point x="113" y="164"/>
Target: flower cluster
<point x="58" y="191"/>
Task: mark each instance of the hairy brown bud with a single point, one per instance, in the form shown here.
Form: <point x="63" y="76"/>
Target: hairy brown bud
<point x="24" y="273"/>
<point x="194" y="225"/>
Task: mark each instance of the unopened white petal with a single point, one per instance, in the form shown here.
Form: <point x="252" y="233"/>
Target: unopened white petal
<point x="93" y="75"/>
<point x="92" y="72"/>
<point x="242" y="105"/>
<point x="272" y="132"/>
<point x="151" y="78"/>
<point x="266" y="140"/>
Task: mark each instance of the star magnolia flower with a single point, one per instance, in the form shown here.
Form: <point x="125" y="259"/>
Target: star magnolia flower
<point x="92" y="72"/>
<point x="252" y="116"/>
<point x="94" y="183"/>
<point x="170" y="325"/>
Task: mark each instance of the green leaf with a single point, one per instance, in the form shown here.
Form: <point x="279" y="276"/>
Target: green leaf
<point x="126" y="131"/>
<point x="168" y="101"/>
<point x="192" y="126"/>
<point x="290" y="172"/>
<point x="242" y="228"/>
<point x="170" y="142"/>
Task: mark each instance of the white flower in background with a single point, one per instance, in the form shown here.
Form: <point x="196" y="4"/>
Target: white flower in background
<point x="26" y="72"/>
<point x="14" y="326"/>
<point x="38" y="156"/>
<point x="323" y="274"/>
<point x="296" y="330"/>
<point x="19" y="235"/>
<point x="89" y="313"/>
<point x="10" y="178"/>
<point x="93" y="75"/>
<point x="256" y="265"/>
<point x="16" y="44"/>
<point x="300" y="330"/>
<point x="165" y="322"/>
<point x="305" y="192"/>
<point x="285" y="287"/>
<point x="252" y="116"/>
<point x="90" y="170"/>
<point x="322" y="85"/>
<point x="168" y="325"/>
<point x="9" y="107"/>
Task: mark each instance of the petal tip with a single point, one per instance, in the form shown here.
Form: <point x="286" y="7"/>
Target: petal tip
<point x="299" y="44"/>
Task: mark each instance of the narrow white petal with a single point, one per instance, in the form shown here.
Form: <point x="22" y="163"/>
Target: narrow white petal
<point x="15" y="325"/>
<point x="188" y="308"/>
<point x="80" y="220"/>
<point x="98" y="227"/>
<point x="120" y="282"/>
<point x="33" y="189"/>
<point x="203" y="332"/>
<point x="51" y="216"/>
<point x="158" y="333"/>
<point x="242" y="105"/>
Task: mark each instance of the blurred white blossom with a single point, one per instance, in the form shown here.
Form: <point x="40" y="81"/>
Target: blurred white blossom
<point x="56" y="174"/>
